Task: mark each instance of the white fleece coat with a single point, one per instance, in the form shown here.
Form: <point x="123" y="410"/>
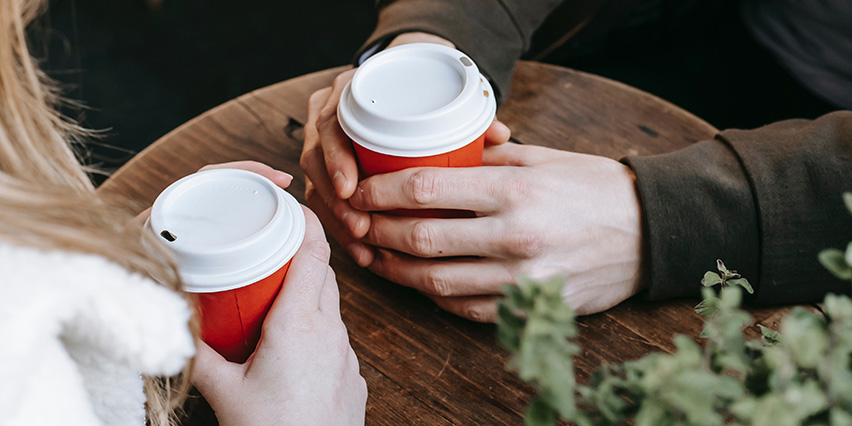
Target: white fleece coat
<point x="76" y="331"/>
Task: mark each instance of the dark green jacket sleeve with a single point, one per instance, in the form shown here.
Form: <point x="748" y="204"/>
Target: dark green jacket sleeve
<point x="494" y="33"/>
<point x="765" y="201"/>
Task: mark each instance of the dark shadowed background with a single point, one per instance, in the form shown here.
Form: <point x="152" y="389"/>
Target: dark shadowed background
<point x="144" y="67"/>
<point x="142" y="71"/>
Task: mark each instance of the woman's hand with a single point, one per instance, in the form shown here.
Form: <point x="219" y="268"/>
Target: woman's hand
<point x="303" y="372"/>
<point x="540" y="212"/>
<point x="331" y="171"/>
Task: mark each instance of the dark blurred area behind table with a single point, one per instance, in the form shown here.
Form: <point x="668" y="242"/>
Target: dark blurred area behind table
<point x="144" y="67"/>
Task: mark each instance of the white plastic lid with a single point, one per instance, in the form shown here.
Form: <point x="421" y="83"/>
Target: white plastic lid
<point x="416" y="100"/>
<point x="228" y="228"/>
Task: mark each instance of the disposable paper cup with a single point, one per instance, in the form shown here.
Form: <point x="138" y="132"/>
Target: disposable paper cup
<point x="233" y="233"/>
<point x="417" y="105"/>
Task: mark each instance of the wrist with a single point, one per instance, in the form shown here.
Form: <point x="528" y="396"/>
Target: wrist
<point x="637" y="221"/>
<point x="419" y="37"/>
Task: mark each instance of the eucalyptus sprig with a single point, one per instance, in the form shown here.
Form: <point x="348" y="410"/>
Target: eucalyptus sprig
<point x="801" y="375"/>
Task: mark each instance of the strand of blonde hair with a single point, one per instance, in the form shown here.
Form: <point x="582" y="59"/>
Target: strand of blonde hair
<point x="46" y="197"/>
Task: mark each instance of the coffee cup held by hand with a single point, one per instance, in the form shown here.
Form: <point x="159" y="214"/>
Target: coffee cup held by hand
<point x="233" y="234"/>
<point x="417" y="105"/>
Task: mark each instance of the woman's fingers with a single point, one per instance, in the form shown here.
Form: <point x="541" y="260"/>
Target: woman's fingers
<point x="307" y="274"/>
<point x="480" y="189"/>
<point x="444" y="277"/>
<point x="276" y="176"/>
<point x="213" y="373"/>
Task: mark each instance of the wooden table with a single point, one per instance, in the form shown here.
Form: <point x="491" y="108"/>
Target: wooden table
<point x="423" y="365"/>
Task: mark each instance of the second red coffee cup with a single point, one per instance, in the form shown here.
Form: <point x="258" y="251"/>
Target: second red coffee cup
<point x="233" y="233"/>
<point x="417" y="105"/>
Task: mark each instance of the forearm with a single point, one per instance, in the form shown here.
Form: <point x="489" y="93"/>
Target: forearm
<point x="493" y="33"/>
<point x="765" y="201"/>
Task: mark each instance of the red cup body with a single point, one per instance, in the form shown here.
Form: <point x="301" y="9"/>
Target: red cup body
<point x="373" y="163"/>
<point x="231" y="320"/>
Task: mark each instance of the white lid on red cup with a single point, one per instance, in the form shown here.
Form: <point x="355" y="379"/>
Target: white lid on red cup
<point x="228" y="228"/>
<point x="416" y="100"/>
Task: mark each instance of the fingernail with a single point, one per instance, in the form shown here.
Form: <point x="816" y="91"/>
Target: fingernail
<point x="339" y="182"/>
<point x="362" y="255"/>
<point x="352" y="221"/>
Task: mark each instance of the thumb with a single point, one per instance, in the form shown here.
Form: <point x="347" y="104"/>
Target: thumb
<point x="213" y="375"/>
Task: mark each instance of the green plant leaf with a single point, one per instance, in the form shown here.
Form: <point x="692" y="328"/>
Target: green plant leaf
<point x="509" y="327"/>
<point x="849" y="254"/>
<point x="838" y="307"/>
<point x="809" y="399"/>
<point x="539" y="413"/>
<point x="742" y="282"/>
<point x="847" y="199"/>
<point x="838" y="417"/>
<point x="706" y="308"/>
<point x="723" y="270"/>
<point x="770" y="337"/>
<point x="835" y="261"/>
<point x="805" y="337"/>
<point x="710" y="279"/>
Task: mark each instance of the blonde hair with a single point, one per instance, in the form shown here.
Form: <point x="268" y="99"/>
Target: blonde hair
<point x="46" y="197"/>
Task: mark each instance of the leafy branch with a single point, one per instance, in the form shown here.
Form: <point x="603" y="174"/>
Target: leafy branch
<point x="801" y="375"/>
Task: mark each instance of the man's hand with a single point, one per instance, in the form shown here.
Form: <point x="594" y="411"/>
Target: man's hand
<point x="331" y="170"/>
<point x="539" y="212"/>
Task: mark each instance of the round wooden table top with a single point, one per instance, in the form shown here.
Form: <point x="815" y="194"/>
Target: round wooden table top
<point x="423" y="365"/>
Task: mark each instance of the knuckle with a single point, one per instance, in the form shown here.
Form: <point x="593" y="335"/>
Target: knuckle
<point x="342" y="79"/>
<point x="421" y="239"/>
<point x="309" y="158"/>
<point x="319" y="250"/>
<point x="319" y="95"/>
<point x="371" y="194"/>
<point x="514" y="191"/>
<point x="331" y="276"/>
<point x="437" y="284"/>
<point x="475" y="312"/>
<point x="311" y="195"/>
<point x="327" y="117"/>
<point x="422" y="187"/>
<point x="524" y="244"/>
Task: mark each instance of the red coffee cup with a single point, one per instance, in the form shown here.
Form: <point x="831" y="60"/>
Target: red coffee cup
<point x="417" y="105"/>
<point x="233" y="233"/>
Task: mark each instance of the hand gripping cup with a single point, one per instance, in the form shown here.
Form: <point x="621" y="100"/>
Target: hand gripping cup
<point x="233" y="233"/>
<point x="417" y="105"/>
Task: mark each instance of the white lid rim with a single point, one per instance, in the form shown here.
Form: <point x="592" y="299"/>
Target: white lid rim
<point x="362" y="137"/>
<point x="156" y="214"/>
<point x="214" y="283"/>
<point x="426" y="152"/>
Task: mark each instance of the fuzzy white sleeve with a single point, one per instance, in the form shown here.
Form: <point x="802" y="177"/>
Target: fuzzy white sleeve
<point x="78" y="331"/>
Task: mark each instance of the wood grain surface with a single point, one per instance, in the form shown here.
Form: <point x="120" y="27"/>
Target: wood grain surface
<point x="423" y="365"/>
